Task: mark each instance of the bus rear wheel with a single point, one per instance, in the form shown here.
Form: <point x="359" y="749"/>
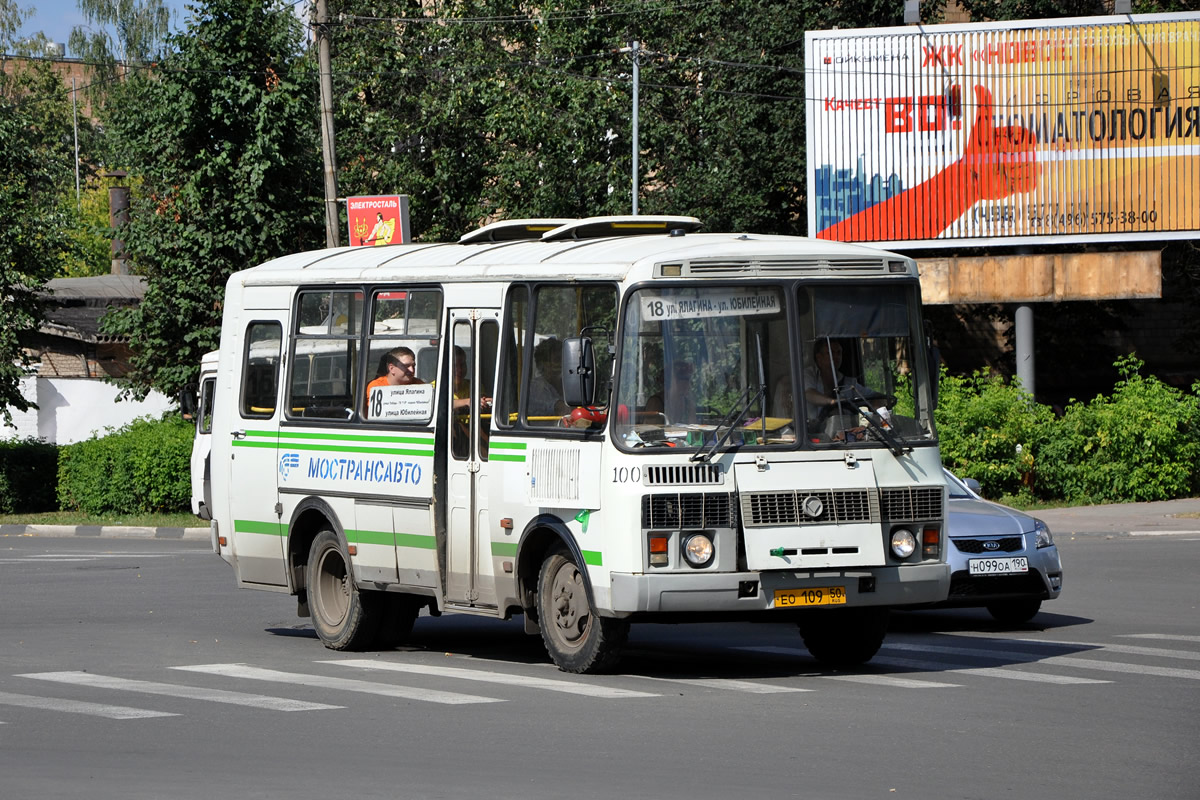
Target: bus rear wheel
<point x="844" y="637"/>
<point x="343" y="617"/>
<point x="576" y="637"/>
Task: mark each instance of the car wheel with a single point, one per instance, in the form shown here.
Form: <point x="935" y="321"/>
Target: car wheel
<point x="1014" y="611"/>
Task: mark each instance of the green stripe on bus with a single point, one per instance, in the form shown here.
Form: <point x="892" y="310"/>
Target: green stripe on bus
<point x="253" y="526"/>
<point x="420" y="541"/>
<point x="504" y="548"/>
<point x="342" y="437"/>
<point x="501" y="444"/>
<point x="334" y="448"/>
<point x="384" y="538"/>
<point x="592" y="558"/>
<point x="492" y="456"/>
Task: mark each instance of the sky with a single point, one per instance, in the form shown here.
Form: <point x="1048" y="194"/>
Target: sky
<point x="56" y="18"/>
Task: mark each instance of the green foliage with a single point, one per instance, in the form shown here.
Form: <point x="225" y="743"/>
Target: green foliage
<point x="143" y="467"/>
<point x="87" y="241"/>
<point x="119" y="34"/>
<point x="35" y="127"/>
<point x="27" y="476"/>
<point x="991" y="430"/>
<point x="1141" y="443"/>
<point x="223" y="140"/>
<point x="481" y="109"/>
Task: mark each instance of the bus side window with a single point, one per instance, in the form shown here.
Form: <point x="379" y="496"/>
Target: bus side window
<point x="260" y="369"/>
<point x="514" y="334"/>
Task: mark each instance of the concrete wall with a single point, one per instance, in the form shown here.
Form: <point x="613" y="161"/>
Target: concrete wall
<point x="72" y="409"/>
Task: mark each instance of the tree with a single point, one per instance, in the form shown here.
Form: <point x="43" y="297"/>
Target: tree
<point x="34" y="172"/>
<point x="221" y="136"/>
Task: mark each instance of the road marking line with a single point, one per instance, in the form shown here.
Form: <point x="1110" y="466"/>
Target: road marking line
<point x="487" y="676"/>
<point x="79" y="707"/>
<point x="1127" y="649"/>
<point x="176" y="690"/>
<point x="986" y="672"/>
<point x="341" y="684"/>
<point x="1071" y="661"/>
<point x="1132" y="669"/>
<point x="1164" y="533"/>
<point x="883" y="680"/>
<point x="1166" y="637"/>
<point x="730" y="684"/>
<point x="893" y="681"/>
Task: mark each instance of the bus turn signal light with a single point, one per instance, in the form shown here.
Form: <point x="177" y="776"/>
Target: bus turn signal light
<point x="659" y="556"/>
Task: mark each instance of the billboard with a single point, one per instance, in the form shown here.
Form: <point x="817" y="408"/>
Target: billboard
<point x="378" y="220"/>
<point x="1051" y="131"/>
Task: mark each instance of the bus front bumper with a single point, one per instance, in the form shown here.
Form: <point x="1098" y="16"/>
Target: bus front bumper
<point x="756" y="591"/>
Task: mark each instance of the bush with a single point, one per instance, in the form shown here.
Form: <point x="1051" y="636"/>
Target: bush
<point x="991" y="430"/>
<point x="1142" y="443"/>
<point x="27" y="476"/>
<point x="142" y="468"/>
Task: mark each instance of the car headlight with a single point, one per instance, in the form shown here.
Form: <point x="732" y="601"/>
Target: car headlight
<point x="903" y="542"/>
<point x="1044" y="537"/>
<point x="698" y="549"/>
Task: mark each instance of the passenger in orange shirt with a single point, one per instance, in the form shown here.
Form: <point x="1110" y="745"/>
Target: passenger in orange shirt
<point x="400" y="365"/>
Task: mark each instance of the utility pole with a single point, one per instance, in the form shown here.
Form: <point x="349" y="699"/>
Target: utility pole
<point x="634" y="49"/>
<point x="327" y="139"/>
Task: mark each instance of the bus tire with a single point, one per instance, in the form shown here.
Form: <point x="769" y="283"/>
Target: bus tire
<point x="844" y="637"/>
<point x="343" y="617"/>
<point x="577" y="638"/>
<point x="398" y="612"/>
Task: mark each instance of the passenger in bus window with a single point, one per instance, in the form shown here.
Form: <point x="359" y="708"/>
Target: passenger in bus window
<point x="545" y="386"/>
<point x="677" y="401"/>
<point x="400" y="364"/>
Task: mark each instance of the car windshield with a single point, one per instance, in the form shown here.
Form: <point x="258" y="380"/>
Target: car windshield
<point x="958" y="489"/>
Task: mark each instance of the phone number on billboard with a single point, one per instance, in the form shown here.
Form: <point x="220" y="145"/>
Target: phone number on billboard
<point x="1056" y="217"/>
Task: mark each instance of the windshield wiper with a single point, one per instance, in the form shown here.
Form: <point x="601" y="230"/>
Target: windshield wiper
<point x="744" y="403"/>
<point x="893" y="443"/>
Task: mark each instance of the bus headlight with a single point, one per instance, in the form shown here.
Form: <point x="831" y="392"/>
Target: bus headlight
<point x="698" y="549"/>
<point x="903" y="543"/>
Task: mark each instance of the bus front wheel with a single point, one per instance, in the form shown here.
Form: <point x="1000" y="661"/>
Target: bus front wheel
<point x="844" y="637"/>
<point x="344" y="618"/>
<point x="576" y="637"/>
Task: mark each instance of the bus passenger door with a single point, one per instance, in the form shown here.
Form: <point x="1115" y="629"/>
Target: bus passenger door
<point x="471" y="355"/>
<point x="258" y="535"/>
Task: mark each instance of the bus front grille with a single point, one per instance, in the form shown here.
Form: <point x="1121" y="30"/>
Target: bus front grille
<point x="810" y="507"/>
<point x="912" y="503"/>
<point x="695" y="510"/>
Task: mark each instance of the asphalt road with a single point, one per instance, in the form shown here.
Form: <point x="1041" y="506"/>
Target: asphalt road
<point x="135" y="669"/>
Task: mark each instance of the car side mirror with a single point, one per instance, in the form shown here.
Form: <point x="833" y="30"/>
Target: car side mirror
<point x="188" y="401"/>
<point x="578" y="371"/>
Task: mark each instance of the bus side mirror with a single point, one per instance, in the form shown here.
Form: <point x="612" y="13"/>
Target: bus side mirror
<point x="188" y="401"/>
<point x="578" y="371"/>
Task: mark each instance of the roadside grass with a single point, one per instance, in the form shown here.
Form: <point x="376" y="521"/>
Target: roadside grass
<point x="181" y="519"/>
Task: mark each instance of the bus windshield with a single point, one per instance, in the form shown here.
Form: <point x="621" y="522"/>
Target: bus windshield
<point x="702" y="366"/>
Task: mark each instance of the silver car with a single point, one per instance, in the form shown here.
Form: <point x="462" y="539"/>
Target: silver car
<point x="1000" y="558"/>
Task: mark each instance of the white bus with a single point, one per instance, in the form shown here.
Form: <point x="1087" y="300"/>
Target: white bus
<point x="611" y="420"/>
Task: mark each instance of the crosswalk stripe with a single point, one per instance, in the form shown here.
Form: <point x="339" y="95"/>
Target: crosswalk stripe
<point x="730" y="684"/>
<point x="882" y="680"/>
<point x="986" y="672"/>
<point x="79" y="707"/>
<point x="892" y="680"/>
<point x="1015" y="655"/>
<point x="1128" y="649"/>
<point x="176" y="690"/>
<point x="342" y="684"/>
<point x="487" y="676"/>
<point x="1132" y="669"/>
<point x="1167" y="637"/>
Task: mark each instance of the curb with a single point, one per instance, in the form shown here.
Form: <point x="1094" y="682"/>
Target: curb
<point x="107" y="532"/>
